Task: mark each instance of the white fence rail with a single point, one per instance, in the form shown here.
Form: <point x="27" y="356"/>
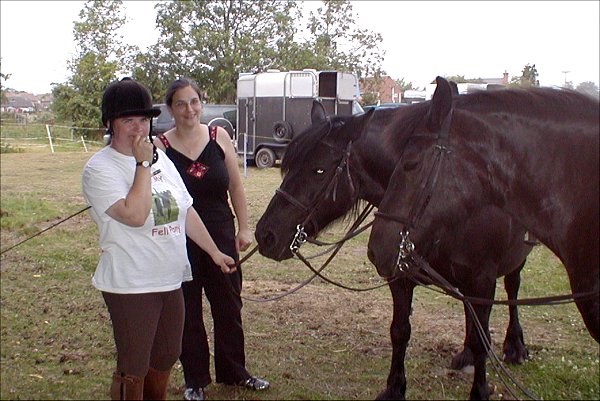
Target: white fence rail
<point x="37" y="137"/>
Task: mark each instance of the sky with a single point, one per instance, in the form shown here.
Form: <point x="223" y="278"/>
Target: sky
<point x="422" y="39"/>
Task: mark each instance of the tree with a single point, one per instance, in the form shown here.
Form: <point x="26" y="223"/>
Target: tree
<point x="3" y="77"/>
<point x="338" y="44"/>
<point x="589" y="88"/>
<point x="460" y="79"/>
<point x="98" y="32"/>
<point x="528" y="78"/>
<point x="79" y="101"/>
<point x="405" y="86"/>
<point x="213" y="41"/>
<point x="100" y="56"/>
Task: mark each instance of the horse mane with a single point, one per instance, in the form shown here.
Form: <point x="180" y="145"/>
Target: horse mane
<point x="353" y="213"/>
<point x="303" y="144"/>
<point x="525" y="101"/>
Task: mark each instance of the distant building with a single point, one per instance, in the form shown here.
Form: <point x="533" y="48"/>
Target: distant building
<point x="384" y="89"/>
<point x="497" y="81"/>
<point x="23" y="102"/>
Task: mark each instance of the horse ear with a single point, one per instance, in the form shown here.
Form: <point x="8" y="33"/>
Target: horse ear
<point x="441" y="103"/>
<point x="454" y="88"/>
<point x="317" y="112"/>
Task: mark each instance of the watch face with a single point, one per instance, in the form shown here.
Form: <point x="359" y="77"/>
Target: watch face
<point x="145" y="163"/>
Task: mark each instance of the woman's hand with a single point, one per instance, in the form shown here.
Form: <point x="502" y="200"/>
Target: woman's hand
<point x="225" y="262"/>
<point x="142" y="148"/>
<point x="243" y="240"/>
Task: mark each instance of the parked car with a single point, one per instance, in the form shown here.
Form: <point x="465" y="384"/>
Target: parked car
<point x="384" y="106"/>
<point x="222" y="115"/>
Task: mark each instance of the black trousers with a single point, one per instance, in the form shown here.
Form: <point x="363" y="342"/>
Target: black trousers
<point x="225" y="306"/>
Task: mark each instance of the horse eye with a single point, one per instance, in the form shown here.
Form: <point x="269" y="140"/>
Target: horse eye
<point x="411" y="165"/>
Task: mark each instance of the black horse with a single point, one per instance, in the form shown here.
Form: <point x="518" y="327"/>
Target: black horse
<point x="339" y="161"/>
<point x="533" y="153"/>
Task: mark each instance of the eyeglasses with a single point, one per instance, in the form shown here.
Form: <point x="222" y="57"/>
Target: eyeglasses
<point x="182" y="104"/>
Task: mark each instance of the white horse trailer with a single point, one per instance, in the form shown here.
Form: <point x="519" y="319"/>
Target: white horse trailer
<point x="274" y="106"/>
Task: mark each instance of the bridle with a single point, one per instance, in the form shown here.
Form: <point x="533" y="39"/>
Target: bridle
<point x="406" y="247"/>
<point x="301" y="237"/>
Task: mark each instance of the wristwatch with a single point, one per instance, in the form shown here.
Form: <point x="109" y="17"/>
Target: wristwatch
<point x="143" y="163"/>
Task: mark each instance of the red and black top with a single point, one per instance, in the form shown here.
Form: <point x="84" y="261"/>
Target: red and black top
<point x="206" y="178"/>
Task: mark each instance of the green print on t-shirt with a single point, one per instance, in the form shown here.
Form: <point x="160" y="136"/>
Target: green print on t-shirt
<point x="164" y="208"/>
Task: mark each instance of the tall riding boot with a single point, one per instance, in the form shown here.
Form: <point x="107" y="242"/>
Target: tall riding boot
<point x="126" y="387"/>
<point x="155" y="384"/>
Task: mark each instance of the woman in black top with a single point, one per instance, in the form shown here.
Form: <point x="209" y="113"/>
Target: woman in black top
<point x="207" y="162"/>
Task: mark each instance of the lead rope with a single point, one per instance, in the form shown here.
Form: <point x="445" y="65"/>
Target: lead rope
<point x="299" y="239"/>
<point x="274" y="298"/>
<point x="46" y="229"/>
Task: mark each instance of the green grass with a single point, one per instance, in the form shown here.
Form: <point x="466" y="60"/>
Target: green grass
<point x="321" y="342"/>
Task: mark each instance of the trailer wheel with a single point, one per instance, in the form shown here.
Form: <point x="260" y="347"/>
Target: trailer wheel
<point x="282" y="131"/>
<point x="264" y="158"/>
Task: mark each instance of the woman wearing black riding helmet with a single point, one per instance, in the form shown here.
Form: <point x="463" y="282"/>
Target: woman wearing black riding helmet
<point x="143" y="212"/>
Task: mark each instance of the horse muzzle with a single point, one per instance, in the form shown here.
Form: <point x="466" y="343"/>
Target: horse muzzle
<point x="272" y="247"/>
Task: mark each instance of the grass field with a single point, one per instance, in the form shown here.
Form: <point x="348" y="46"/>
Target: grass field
<point x="322" y="342"/>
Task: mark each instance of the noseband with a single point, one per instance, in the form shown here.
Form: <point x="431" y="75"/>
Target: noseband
<point x="301" y="237"/>
<point x="406" y="247"/>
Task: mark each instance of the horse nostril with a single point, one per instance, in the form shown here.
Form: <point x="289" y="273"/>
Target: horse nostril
<point x="265" y="238"/>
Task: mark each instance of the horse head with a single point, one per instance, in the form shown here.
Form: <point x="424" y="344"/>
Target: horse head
<point x="317" y="186"/>
<point x="420" y="188"/>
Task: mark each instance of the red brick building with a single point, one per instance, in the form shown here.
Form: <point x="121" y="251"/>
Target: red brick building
<point x="383" y="89"/>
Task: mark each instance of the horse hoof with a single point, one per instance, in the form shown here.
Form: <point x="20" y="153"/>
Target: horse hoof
<point x="516" y="355"/>
<point x="516" y="358"/>
<point x="462" y="360"/>
<point x="390" y="394"/>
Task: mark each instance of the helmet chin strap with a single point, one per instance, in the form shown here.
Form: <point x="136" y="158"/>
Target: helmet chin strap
<point x="154" y="152"/>
<point x="108" y="136"/>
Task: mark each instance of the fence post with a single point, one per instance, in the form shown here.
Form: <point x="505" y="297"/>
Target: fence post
<point x="49" y="138"/>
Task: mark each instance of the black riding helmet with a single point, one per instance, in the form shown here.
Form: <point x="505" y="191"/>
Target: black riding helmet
<point x="126" y="98"/>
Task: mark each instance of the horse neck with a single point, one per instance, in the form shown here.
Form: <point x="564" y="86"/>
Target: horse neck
<point x="534" y="177"/>
<point x="373" y="160"/>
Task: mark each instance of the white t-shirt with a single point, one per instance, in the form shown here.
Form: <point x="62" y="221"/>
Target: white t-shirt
<point x="151" y="258"/>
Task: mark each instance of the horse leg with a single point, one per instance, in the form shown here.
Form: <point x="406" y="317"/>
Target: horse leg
<point x="464" y="358"/>
<point x="514" y="348"/>
<point x="402" y="293"/>
<point x="589" y="308"/>
<point x="480" y="389"/>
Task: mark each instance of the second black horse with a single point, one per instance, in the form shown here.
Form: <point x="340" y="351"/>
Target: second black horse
<point x="339" y="161"/>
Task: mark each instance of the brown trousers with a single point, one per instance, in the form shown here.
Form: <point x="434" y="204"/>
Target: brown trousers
<point x="147" y="329"/>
